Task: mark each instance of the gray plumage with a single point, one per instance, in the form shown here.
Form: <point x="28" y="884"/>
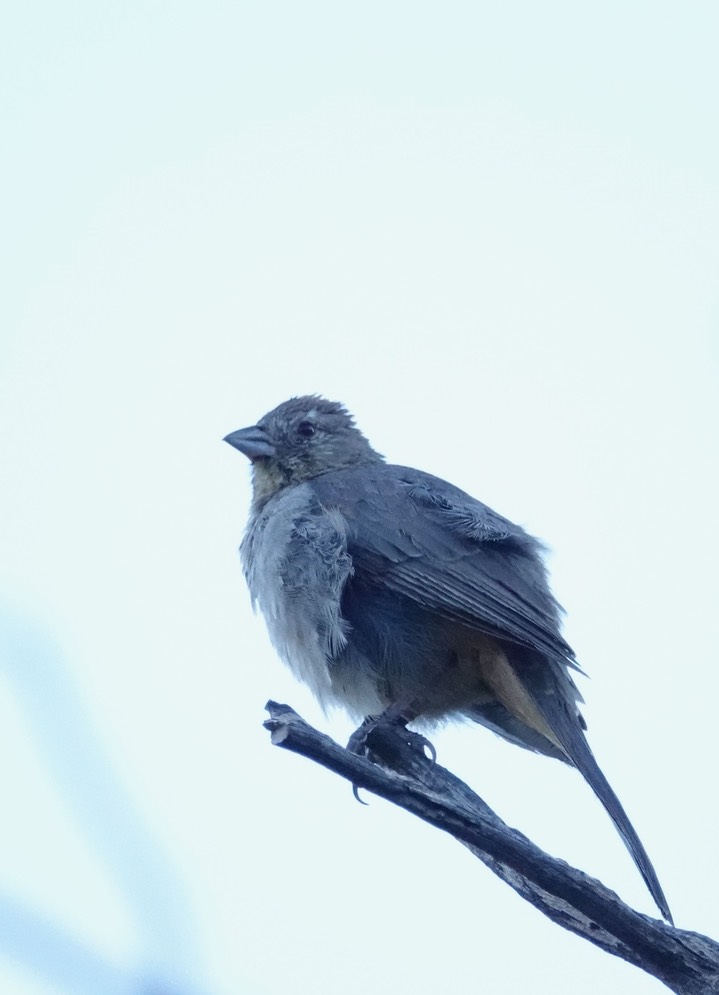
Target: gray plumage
<point x="383" y="586"/>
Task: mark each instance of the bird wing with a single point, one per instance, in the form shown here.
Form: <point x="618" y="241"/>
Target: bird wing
<point x="431" y="542"/>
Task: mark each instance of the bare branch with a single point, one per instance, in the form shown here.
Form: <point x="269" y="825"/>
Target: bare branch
<point x="687" y="962"/>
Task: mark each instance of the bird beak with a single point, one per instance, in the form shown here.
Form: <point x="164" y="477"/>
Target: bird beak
<point x="254" y="442"/>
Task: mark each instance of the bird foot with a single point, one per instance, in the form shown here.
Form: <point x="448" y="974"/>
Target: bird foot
<point x="379" y="731"/>
<point x="384" y="739"/>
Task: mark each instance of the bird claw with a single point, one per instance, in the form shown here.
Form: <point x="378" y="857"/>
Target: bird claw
<point x="421" y="742"/>
<point x="356" y="793"/>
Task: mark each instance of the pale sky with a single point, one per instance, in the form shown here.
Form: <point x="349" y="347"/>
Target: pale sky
<point x="491" y="231"/>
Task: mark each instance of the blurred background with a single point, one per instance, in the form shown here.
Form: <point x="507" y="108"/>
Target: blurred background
<point x="491" y="231"/>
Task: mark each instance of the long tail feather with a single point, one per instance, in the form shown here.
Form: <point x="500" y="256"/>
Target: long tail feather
<point x="577" y="748"/>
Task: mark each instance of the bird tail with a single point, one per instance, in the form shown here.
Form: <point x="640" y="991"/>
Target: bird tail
<point x="575" y="745"/>
<point x="536" y="706"/>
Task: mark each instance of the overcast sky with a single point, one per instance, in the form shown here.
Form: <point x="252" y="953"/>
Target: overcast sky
<point x="489" y="229"/>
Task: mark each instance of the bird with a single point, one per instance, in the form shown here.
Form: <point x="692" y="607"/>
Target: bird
<point x="389" y="591"/>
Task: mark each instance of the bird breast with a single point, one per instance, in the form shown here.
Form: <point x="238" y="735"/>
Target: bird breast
<point x="296" y="562"/>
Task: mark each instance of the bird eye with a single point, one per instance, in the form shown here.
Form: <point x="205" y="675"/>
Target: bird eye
<point x="306" y="428"/>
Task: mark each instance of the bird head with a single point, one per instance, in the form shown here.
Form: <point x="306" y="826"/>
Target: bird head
<point x="298" y="440"/>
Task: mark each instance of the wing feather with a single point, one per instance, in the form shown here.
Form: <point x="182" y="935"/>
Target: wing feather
<point x="428" y="541"/>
